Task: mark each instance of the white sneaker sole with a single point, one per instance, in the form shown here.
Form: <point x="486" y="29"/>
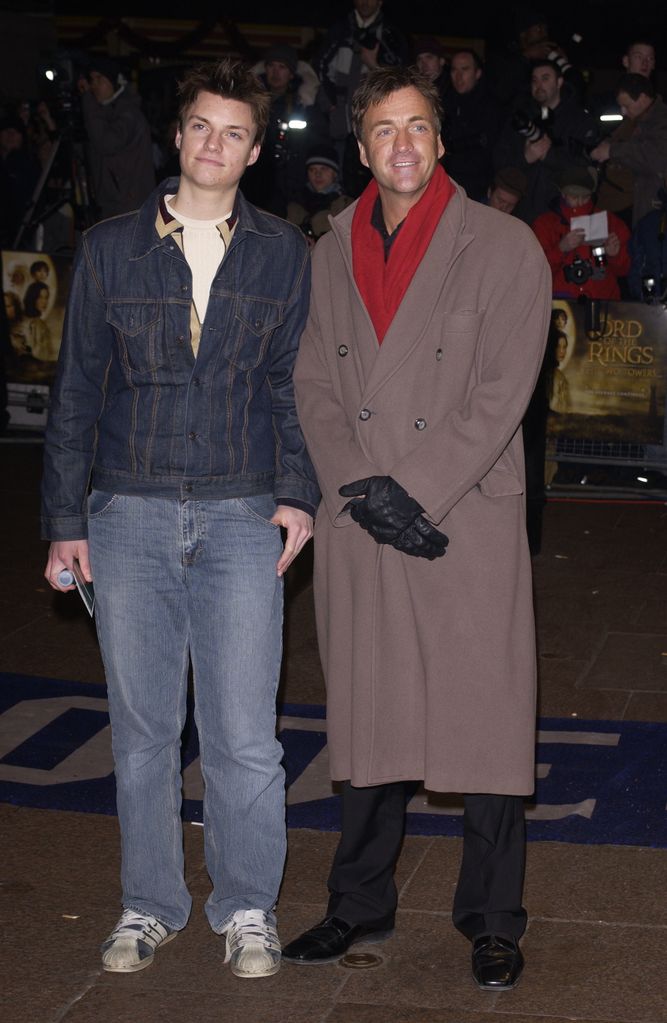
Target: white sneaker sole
<point x="268" y="972"/>
<point x="142" y="964"/>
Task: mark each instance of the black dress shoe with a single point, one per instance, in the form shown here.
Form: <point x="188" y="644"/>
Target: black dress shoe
<point x="496" y="962"/>
<point x="329" y="941"/>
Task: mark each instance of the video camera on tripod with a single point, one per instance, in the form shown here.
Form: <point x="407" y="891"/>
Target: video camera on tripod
<point x="64" y="177"/>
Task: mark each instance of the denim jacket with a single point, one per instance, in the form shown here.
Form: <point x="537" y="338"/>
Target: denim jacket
<point x="134" y="412"/>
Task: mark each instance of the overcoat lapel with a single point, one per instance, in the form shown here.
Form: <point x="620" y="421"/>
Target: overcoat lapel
<point x="379" y="362"/>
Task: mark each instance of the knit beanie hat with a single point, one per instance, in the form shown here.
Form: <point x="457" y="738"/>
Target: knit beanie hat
<point x="283" y="55"/>
<point x="324" y="154"/>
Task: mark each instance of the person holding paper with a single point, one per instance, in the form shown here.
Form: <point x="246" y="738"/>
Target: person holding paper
<point x="587" y="249"/>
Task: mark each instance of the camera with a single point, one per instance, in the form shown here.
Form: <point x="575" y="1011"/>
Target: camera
<point x="525" y="126"/>
<point x="531" y="129"/>
<point x="578" y="271"/>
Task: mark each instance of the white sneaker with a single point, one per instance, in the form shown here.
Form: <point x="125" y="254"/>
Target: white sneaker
<point x="132" y="943"/>
<point x="253" y="946"/>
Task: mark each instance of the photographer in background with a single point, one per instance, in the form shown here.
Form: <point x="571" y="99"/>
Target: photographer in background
<point x="294" y="125"/>
<point x="579" y="269"/>
<point x="552" y="131"/>
<point x="355" y="45"/>
<point x="119" y="149"/>
<point x="509" y="69"/>
<point x="645" y="151"/>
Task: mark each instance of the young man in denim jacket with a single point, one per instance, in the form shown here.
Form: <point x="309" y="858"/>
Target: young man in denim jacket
<point x="174" y="402"/>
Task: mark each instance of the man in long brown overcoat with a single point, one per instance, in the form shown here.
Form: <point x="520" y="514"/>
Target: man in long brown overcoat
<point x="428" y="319"/>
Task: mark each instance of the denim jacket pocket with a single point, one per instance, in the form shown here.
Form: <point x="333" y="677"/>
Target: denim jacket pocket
<point x="255" y="320"/>
<point x="137" y="327"/>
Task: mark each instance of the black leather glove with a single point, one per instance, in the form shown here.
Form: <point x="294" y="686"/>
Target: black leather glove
<point x="422" y="540"/>
<point x="384" y="509"/>
<point x="381" y="506"/>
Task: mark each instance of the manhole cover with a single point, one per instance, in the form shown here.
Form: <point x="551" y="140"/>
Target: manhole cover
<point x="361" y="961"/>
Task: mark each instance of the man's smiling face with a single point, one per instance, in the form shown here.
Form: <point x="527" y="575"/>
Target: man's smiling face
<point x="401" y="143"/>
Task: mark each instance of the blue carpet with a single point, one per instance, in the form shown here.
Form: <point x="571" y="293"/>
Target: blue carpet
<point x="596" y="781"/>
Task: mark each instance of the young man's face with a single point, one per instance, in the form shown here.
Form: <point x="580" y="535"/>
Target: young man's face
<point x="100" y="86"/>
<point x="573" y="200"/>
<point x="465" y="73"/>
<point x="640" y="60"/>
<point x="429" y="65"/>
<point x="545" y="86"/>
<point x="278" y="75"/>
<point x="633" y="108"/>
<point x="401" y="144"/>
<point x="321" y="176"/>
<point x="216" y="142"/>
<point x="501" y="199"/>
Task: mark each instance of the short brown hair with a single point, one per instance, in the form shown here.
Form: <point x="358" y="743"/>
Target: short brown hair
<point x="229" y="79"/>
<point x="382" y="82"/>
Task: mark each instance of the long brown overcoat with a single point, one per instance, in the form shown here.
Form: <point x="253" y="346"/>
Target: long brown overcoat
<point x="429" y="665"/>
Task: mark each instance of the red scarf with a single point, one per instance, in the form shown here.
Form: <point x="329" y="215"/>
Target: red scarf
<point x="383" y="285"/>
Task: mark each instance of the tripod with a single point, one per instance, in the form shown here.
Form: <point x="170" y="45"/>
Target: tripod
<point x="74" y="190"/>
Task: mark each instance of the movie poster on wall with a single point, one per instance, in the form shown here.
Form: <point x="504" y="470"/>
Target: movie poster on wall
<point x="608" y="372"/>
<point x="35" y="288"/>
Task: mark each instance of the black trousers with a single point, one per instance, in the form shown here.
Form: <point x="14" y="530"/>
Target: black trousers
<point x="490" y="886"/>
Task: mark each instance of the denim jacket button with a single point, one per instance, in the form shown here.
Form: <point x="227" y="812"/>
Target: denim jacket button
<point x="184" y="288"/>
<point x="192" y="435"/>
<point x="180" y="339"/>
<point x="188" y="488"/>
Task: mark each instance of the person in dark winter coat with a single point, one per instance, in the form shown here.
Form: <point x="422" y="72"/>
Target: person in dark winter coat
<point x="645" y="151"/>
<point x="550" y="132"/>
<point x="471" y="125"/>
<point x="321" y="197"/>
<point x="120" y="150"/>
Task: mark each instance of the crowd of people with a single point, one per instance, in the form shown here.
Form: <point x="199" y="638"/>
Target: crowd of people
<point x="513" y="128"/>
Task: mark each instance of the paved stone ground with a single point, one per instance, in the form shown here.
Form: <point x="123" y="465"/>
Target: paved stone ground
<point x="598" y="920"/>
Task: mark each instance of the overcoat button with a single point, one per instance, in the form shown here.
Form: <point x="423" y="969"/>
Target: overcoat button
<point x="364" y="414"/>
<point x="438" y="354"/>
<point x="420" y="424"/>
<point x="343" y="350"/>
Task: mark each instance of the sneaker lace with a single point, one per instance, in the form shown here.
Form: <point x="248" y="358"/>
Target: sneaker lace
<point x="138" y="925"/>
<point x="251" y="929"/>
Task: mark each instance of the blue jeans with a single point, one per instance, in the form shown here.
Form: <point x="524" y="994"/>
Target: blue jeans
<point x="193" y="580"/>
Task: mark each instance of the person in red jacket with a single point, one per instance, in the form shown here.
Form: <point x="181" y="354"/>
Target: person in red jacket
<point x="577" y="268"/>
